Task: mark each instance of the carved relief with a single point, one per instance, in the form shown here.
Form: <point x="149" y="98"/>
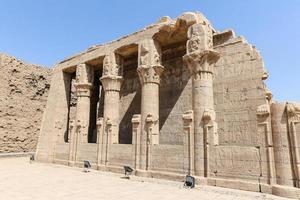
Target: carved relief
<point x="149" y="53"/>
<point x="208" y="115"/>
<point x="263" y="110"/>
<point x="84" y="73"/>
<point x="148" y="74"/>
<point x="200" y="55"/>
<point x="293" y="111"/>
<point x="150" y="67"/>
<point x="112" y="65"/>
<point x="200" y="38"/>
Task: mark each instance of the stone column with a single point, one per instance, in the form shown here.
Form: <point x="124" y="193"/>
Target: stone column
<point x="293" y="115"/>
<point x="149" y="71"/>
<point x="111" y="82"/>
<point x="99" y="124"/>
<point x="263" y="114"/>
<point x="83" y="85"/>
<point x="200" y="60"/>
<point x="189" y="147"/>
<point x="72" y="142"/>
<point x="136" y="137"/>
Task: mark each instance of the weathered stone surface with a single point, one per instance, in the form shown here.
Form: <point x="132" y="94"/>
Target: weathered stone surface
<point x="176" y="98"/>
<point x="23" y="94"/>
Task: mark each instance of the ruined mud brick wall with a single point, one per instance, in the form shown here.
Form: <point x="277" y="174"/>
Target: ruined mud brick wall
<point x="23" y="95"/>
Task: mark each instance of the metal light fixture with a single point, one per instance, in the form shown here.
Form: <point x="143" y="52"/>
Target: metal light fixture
<point x="127" y="170"/>
<point x="86" y="165"/>
<point x="189" y="181"/>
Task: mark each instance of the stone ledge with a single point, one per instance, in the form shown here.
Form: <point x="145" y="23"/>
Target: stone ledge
<point x="21" y="154"/>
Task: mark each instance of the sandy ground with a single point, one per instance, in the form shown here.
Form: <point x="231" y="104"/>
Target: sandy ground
<point x="20" y="180"/>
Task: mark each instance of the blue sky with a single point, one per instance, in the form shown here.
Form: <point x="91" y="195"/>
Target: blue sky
<point x="45" y="32"/>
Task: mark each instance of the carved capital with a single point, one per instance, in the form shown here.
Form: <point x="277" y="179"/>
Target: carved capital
<point x="99" y="122"/>
<point x="149" y="62"/>
<point x="263" y="110"/>
<point x="136" y="119"/>
<point x="84" y="74"/>
<point x="199" y="38"/>
<point x="112" y="65"/>
<point x="111" y="83"/>
<point x="200" y="57"/>
<point x="72" y="124"/>
<point x="269" y="95"/>
<point x="83" y="89"/>
<point x="151" y="119"/>
<point x="150" y="74"/>
<point x="109" y="122"/>
<point x="149" y="52"/>
<point x="201" y="62"/>
<point x="293" y="111"/>
<point x="208" y="116"/>
<point x="188" y="116"/>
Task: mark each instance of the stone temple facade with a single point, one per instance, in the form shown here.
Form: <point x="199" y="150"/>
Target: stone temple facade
<point x="175" y="98"/>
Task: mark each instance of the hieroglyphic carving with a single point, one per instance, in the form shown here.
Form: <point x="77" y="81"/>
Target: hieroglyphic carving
<point x="149" y="53"/>
<point x="200" y="38"/>
<point x="263" y="110"/>
<point x="293" y="111"/>
<point x="200" y="57"/>
<point x="150" y="68"/>
<point x="293" y="114"/>
<point x="84" y="74"/>
<point x="113" y="65"/>
<point x="149" y="74"/>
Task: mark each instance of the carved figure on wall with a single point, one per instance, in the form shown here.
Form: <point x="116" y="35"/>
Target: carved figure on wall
<point x="84" y="73"/>
<point x="113" y="65"/>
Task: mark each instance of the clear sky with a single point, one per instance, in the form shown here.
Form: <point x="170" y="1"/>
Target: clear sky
<point x="47" y="31"/>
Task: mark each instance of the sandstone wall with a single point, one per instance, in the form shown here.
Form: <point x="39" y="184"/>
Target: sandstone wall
<point x="23" y="95"/>
<point x="238" y="91"/>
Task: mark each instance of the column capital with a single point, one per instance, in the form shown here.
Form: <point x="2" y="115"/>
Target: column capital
<point x="209" y="115"/>
<point x="111" y="83"/>
<point x="136" y="119"/>
<point x="112" y="65"/>
<point x="188" y="116"/>
<point x="201" y="61"/>
<point x="84" y="73"/>
<point x="293" y="112"/>
<point x="99" y="122"/>
<point x="150" y="74"/>
<point x="84" y="80"/>
<point x="200" y="56"/>
<point x="149" y="61"/>
<point x="83" y="89"/>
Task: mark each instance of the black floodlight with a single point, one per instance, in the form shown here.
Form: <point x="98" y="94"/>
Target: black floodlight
<point x="86" y="165"/>
<point x="127" y="170"/>
<point x="189" y="181"/>
<point x="31" y="158"/>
